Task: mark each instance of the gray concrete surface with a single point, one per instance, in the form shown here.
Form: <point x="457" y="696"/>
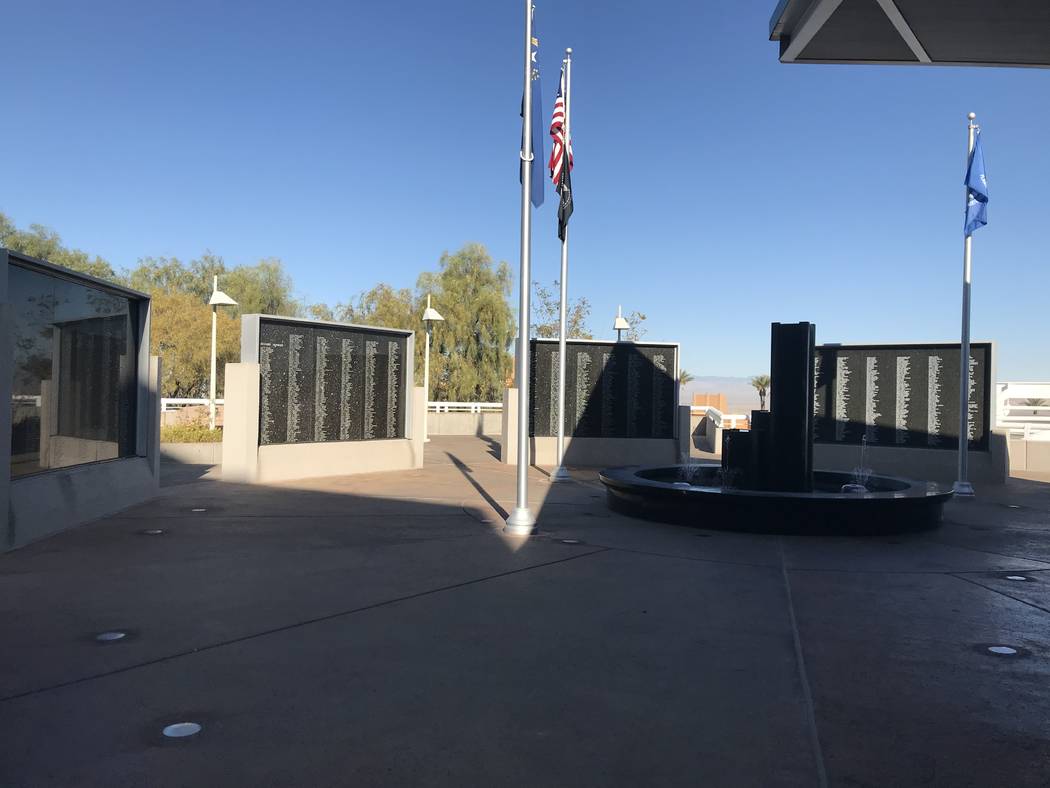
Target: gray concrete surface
<point x="380" y="630"/>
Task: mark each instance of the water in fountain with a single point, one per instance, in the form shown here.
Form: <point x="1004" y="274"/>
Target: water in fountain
<point x="686" y="470"/>
<point x="728" y="479"/>
<point x="862" y="473"/>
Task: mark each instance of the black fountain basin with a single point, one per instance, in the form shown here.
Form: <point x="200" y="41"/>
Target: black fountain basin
<point x="693" y="495"/>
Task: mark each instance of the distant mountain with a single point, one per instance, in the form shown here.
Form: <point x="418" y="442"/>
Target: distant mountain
<point x="740" y="394"/>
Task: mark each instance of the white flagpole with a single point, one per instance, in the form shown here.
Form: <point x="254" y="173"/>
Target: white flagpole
<point x="559" y="474"/>
<point x="521" y="520"/>
<point x="962" y="485"/>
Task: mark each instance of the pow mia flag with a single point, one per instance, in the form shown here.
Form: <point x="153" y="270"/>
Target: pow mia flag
<point x="565" y="204"/>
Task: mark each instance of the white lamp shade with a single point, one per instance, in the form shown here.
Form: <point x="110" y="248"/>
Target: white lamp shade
<point x="431" y="314"/>
<point x="219" y="298"/>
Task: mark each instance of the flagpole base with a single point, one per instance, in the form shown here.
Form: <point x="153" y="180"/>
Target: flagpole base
<point x="963" y="489"/>
<point x="560" y="474"/>
<point x="520" y="523"/>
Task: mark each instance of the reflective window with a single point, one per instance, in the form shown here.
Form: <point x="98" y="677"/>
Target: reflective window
<point x="75" y="364"/>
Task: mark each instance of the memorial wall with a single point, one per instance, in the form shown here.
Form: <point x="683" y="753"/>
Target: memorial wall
<point x="323" y="382"/>
<point x="900" y="395"/>
<point x="81" y="438"/>
<point x="614" y="389"/>
<point x="74" y="380"/>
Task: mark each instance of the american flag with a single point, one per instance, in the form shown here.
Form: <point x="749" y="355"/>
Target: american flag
<point x="558" y="136"/>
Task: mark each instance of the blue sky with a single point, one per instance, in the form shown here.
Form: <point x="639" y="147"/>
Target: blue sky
<point x="716" y="190"/>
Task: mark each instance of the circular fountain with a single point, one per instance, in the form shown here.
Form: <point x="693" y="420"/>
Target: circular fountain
<point x="766" y="482"/>
<point x="694" y="495"/>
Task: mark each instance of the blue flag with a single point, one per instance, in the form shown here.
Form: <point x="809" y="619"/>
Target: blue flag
<point x="976" y="189"/>
<point x="535" y="132"/>
<point x="538" y="162"/>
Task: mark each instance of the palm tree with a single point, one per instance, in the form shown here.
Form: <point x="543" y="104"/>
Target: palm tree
<point x="761" y="384"/>
<point x="1036" y="403"/>
<point x="684" y="378"/>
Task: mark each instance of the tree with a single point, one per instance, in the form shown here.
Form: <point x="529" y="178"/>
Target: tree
<point x="761" y="384"/>
<point x="181" y="335"/>
<point x="264" y="288"/>
<point x="1036" y="402"/>
<point x="637" y="330"/>
<point x="547" y="314"/>
<point x="472" y="360"/>
<point x="684" y="378"/>
<point x="382" y="306"/>
<point x="44" y="243"/>
<point x="320" y="312"/>
<point x="163" y="274"/>
<point x="204" y="270"/>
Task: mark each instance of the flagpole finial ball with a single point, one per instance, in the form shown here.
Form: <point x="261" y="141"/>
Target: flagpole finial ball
<point x="568" y="50"/>
<point x="972" y="116"/>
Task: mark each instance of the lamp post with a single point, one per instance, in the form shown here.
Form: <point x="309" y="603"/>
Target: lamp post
<point x="218" y="298"/>
<point x="620" y="324"/>
<point x="430" y="315"/>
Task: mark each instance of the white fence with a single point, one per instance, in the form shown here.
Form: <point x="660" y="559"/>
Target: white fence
<point x="174" y="403"/>
<point x="177" y="403"/>
<point x="1023" y="409"/>
<point x="729" y="421"/>
<point x="1030" y="421"/>
<point x="464" y="407"/>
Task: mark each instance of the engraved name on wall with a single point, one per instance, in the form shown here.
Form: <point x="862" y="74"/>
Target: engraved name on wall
<point x="900" y="395"/>
<point x="322" y="383"/>
<point x="612" y="390"/>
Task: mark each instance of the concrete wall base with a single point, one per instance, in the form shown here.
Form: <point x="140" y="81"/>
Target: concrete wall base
<point x="592" y="452"/>
<point x="62" y="498"/>
<point x="308" y="460"/>
<point x="508" y="436"/>
<point x="935" y="465"/>
<point x="1029" y="455"/>
<point x="53" y="501"/>
<point x="479" y="424"/>
<point x="192" y="453"/>
<point x="603" y="452"/>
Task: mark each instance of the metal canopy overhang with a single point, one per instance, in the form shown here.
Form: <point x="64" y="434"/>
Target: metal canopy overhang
<point x="914" y="32"/>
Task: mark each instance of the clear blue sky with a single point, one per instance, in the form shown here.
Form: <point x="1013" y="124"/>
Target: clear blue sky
<point x="716" y="190"/>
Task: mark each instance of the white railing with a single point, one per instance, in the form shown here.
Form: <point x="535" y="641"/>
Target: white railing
<point x="730" y="421"/>
<point x="1029" y="432"/>
<point x="1030" y="422"/>
<point x="464" y="407"/>
<point x="175" y="403"/>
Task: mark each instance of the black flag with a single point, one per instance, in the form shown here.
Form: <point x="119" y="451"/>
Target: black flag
<point x="565" y="204"/>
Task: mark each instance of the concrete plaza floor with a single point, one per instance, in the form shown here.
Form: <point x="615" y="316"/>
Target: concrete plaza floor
<point x="380" y="630"/>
